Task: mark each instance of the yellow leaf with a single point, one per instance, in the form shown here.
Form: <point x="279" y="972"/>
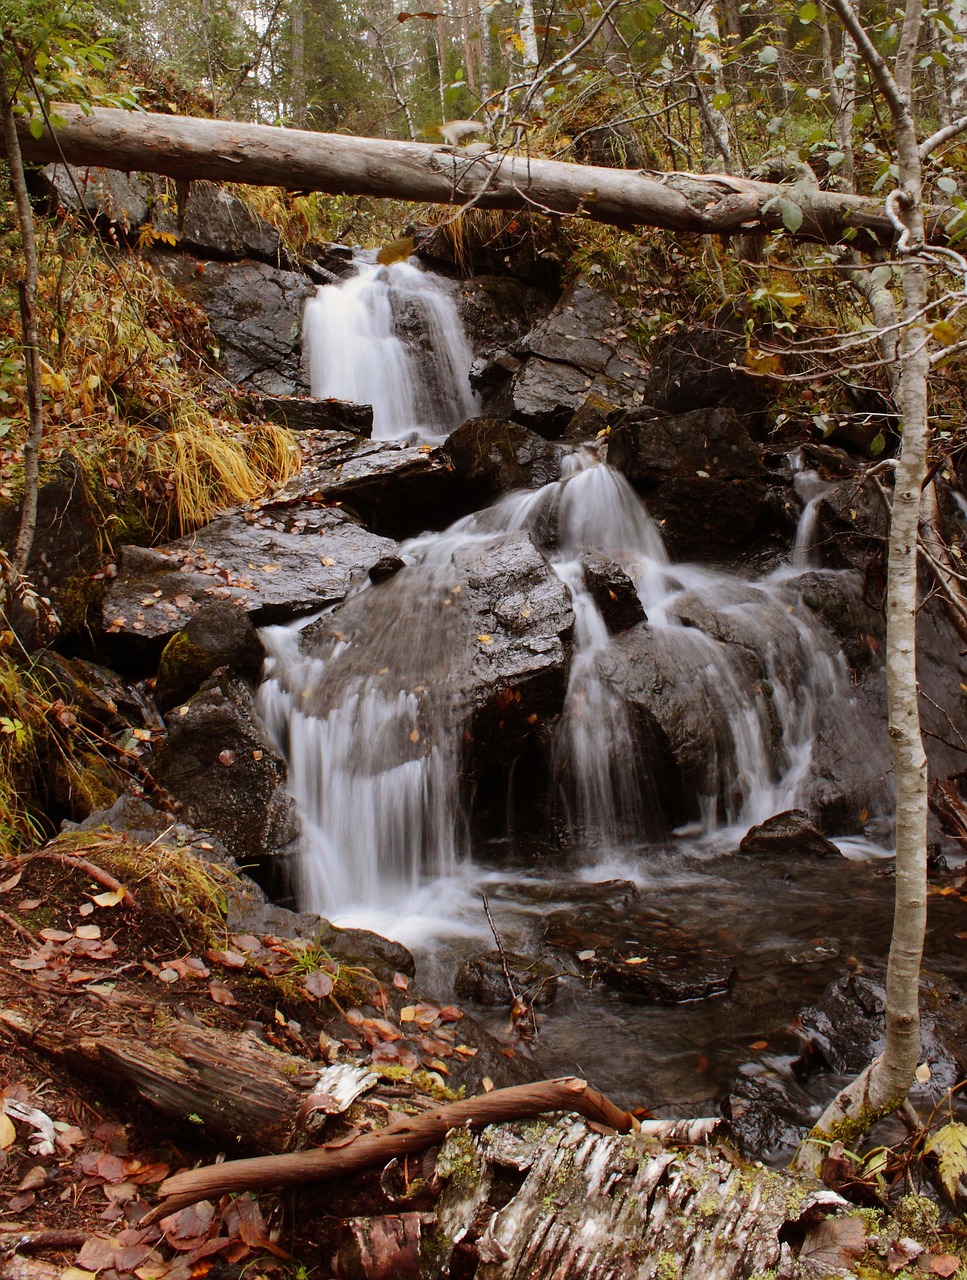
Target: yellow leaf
<point x="949" y="1144"/>
<point x="944" y="332"/>
<point x="922" y="1073"/>
<point x="8" y="1134"/>
<point x="110" y="899"/>
<point x="485" y="639"/>
<point x="396" y="251"/>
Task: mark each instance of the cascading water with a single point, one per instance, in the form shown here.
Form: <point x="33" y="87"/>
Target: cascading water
<point x="391" y="336"/>
<point x="370" y="706"/>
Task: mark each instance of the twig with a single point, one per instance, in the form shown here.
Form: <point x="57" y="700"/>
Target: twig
<point x="38" y="1241"/>
<point x="96" y="873"/>
<point x="19" y="928"/>
<point x="520" y="1009"/>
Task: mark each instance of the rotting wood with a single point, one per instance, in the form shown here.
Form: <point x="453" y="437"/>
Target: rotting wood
<point x="403" y="1136"/>
<point x="227" y="1084"/>
<point x="947" y="803"/>
<point x="559" y="1201"/>
<point x="187" y="148"/>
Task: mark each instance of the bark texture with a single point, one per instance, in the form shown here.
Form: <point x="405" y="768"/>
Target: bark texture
<point x="188" y="148"/>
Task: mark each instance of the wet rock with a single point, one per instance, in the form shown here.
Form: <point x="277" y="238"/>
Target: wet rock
<point x="845" y="1028"/>
<point x="613" y="592"/>
<point x="306" y="413"/>
<point x="709" y="443"/>
<point x="711" y="520"/>
<point x="277" y="563"/>
<point x="220" y="634"/>
<point x="581" y="348"/>
<point x="482" y="979"/>
<point x="255" y="312"/>
<point x="492" y="456"/>
<point x="498" y="310"/>
<point x="123" y="200"/>
<point x="227" y="779"/>
<point x="786" y="835"/>
<point x="212" y="222"/>
<point x="851" y="534"/>
<point x="396" y="489"/>
<point x="638" y="954"/>
<point x="702" y="368"/>
<point x="97" y="694"/>
<point x="837" y="601"/>
<point x="768" y="1110"/>
<point x="385" y="567"/>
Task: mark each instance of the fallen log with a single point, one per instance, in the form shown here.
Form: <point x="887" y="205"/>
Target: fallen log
<point x="186" y="148"/>
<point x="225" y="1084"/>
<point x="403" y="1136"/>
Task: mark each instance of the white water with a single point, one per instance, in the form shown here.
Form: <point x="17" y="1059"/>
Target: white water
<point x="373" y="727"/>
<point x="392" y="337"/>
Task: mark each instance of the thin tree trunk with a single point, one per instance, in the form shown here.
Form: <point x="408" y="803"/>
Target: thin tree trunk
<point x="884" y="1085"/>
<point x="299" y="104"/>
<point x="31" y="344"/>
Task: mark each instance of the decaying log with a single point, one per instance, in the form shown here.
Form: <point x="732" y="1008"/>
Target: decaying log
<point x="403" y="1136"/>
<point x="562" y="1202"/>
<point x="229" y="1085"/>
<point x="187" y="148"/>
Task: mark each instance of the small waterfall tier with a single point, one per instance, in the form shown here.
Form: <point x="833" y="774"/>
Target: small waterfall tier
<point x="391" y="336"/>
<point x="707" y="714"/>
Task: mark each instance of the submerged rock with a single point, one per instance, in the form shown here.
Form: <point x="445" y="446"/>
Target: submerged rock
<point x="482" y="979"/>
<point x="788" y="834"/>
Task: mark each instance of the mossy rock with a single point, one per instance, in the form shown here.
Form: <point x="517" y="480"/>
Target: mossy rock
<point x="220" y="634"/>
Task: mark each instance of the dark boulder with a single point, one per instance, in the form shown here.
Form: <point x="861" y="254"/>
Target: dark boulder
<point x="220" y="634"/>
<point x="66" y="552"/>
<point x="225" y="777"/>
<point x="213" y="222"/>
<point x="497" y="311"/>
<point x="709" y="443"/>
<point x="786" y="835"/>
<point x="492" y="457"/>
<point x="121" y="200"/>
<point x="306" y="413"/>
<point x="396" y="489"/>
<point x="580" y="349"/>
<point x="612" y="591"/>
<point x="385" y="567"/>
<point x="255" y="312"/>
<point x="482" y="979"/>
<point x="703" y="368"/>
<point x="836" y="599"/>
<point x="851" y="533"/>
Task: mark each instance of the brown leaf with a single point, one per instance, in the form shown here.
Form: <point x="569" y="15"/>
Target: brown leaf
<point x="97" y="1254"/>
<point x="944" y="1264"/>
<point x="226" y="757"/>
<point x="230" y="959"/>
<point x="833" y="1243"/>
<point x="110" y="1168"/>
<point x="87" y="931"/>
<point x="188" y="1224"/>
<point x="401" y="981"/>
<point x="899" y="1253"/>
<point x="221" y="994"/>
<point x="55" y="935"/>
<point x="318" y="984"/>
<point x="11" y="883"/>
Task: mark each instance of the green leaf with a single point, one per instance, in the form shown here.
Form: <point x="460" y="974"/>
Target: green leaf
<point x="835" y="158"/>
<point x="947" y="185"/>
<point x="809" y="12"/>
<point x="769" y="55"/>
<point x="877" y="444"/>
<point x="791" y="216"/>
<point x="949" y="1144"/>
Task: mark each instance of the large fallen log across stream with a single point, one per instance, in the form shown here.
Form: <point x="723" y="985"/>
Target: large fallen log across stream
<point x="187" y="148"/>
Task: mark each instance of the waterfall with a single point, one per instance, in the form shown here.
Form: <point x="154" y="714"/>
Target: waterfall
<point x="364" y="704"/>
<point x="391" y="336"/>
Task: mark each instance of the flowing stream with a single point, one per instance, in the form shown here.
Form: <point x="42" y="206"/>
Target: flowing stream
<point x="372" y="725"/>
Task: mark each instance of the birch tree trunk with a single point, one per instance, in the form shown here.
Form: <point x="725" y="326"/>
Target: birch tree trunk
<point x="884" y="1085"/>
